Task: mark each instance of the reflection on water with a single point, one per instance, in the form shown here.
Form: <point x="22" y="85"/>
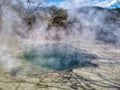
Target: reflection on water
<point x="58" y="57"/>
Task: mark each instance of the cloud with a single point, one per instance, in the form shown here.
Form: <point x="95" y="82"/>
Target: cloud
<point x="69" y="4"/>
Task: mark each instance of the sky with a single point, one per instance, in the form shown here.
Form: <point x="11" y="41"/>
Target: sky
<point x="54" y="1"/>
<point x="67" y="4"/>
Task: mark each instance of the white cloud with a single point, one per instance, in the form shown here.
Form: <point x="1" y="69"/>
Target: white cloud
<point x="69" y="4"/>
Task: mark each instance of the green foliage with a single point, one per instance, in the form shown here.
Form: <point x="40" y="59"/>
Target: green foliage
<point x="59" y="16"/>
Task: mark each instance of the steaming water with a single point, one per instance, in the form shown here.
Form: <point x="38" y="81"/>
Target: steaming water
<point x="58" y="57"/>
<point x="88" y="25"/>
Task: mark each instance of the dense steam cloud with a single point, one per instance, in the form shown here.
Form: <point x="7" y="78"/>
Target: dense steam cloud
<point x="84" y="24"/>
<point x="97" y="23"/>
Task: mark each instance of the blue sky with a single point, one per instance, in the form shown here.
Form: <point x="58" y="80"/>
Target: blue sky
<point x="115" y="5"/>
<point x="55" y="1"/>
<point x="70" y="4"/>
<point x="77" y="3"/>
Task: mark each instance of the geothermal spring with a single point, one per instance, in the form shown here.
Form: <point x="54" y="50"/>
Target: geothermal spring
<point x="85" y="55"/>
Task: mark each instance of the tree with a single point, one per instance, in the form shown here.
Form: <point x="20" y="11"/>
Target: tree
<point x="32" y="6"/>
<point x="59" y="16"/>
<point x="25" y="8"/>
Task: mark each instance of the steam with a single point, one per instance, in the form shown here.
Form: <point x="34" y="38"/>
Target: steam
<point x="8" y="62"/>
<point x="86" y="24"/>
<point x="93" y="24"/>
<point x="11" y="25"/>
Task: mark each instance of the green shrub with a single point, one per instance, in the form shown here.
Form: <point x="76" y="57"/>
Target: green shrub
<point x="59" y="16"/>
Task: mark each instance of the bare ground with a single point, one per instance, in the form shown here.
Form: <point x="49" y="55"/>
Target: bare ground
<point x="104" y="77"/>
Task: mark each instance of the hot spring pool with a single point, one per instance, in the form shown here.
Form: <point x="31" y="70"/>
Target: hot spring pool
<point x="58" y="57"/>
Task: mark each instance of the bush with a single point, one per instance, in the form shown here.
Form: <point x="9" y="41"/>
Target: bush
<point x="59" y="16"/>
